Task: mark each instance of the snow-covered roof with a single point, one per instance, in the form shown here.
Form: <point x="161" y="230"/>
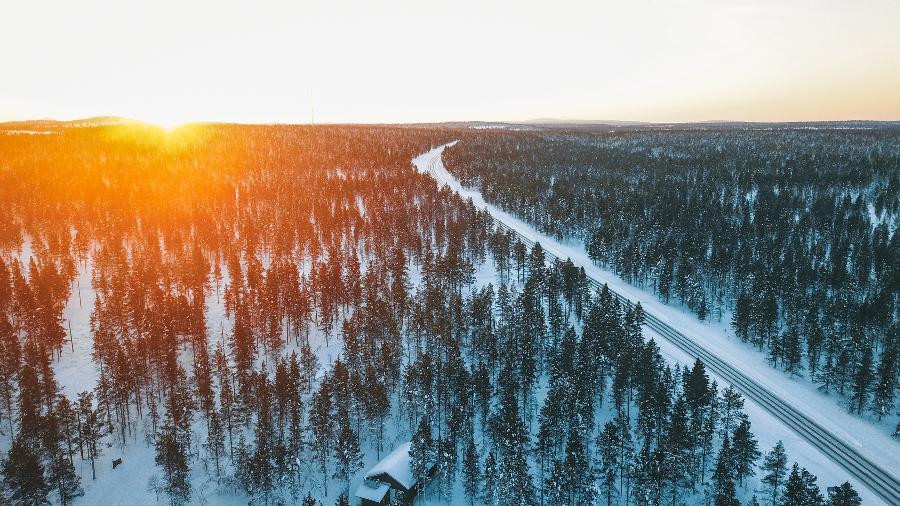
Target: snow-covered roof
<point x="373" y="491"/>
<point x="395" y="466"/>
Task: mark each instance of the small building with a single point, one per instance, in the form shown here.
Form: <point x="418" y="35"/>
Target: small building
<point x="390" y="479"/>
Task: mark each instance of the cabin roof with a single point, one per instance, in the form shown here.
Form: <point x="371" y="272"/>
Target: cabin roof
<point x="394" y="468"/>
<point x="372" y="491"/>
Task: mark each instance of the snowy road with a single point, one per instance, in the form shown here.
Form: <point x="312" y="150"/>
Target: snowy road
<point x="847" y="453"/>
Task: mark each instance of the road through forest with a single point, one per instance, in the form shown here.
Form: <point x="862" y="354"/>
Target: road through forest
<point x="882" y="482"/>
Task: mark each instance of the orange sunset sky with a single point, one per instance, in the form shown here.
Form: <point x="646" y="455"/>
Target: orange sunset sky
<point x="363" y="61"/>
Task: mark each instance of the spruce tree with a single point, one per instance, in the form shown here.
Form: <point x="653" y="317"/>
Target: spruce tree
<point x="678" y="441"/>
<point x="558" y="490"/>
<point x="775" y="467"/>
<point x="794" y="490"/>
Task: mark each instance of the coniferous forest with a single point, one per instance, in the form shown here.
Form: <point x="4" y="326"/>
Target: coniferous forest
<point x="270" y="310"/>
<point x="785" y="231"/>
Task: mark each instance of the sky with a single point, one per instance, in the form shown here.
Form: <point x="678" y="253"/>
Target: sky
<point x="339" y="61"/>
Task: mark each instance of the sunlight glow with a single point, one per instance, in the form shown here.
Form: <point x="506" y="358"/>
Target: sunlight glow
<point x="168" y="124"/>
<point x="170" y="62"/>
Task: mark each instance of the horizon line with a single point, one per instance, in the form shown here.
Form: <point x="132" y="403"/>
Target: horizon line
<point x="545" y="121"/>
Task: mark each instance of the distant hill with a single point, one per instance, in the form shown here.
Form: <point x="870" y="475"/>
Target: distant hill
<point x="582" y="122"/>
<point x="45" y="124"/>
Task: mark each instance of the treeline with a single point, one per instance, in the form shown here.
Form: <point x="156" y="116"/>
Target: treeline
<point x="793" y="230"/>
<point x="524" y="390"/>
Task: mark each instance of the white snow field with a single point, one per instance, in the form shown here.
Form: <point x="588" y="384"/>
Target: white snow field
<point x="867" y="437"/>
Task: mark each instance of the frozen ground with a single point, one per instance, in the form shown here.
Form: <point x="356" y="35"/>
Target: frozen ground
<point x="869" y="437"/>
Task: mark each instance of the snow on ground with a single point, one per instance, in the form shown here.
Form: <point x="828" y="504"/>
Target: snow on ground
<point x="75" y="371"/>
<point x="128" y="484"/>
<point x="869" y="437"/>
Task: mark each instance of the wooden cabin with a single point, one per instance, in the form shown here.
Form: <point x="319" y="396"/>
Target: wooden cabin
<point x="391" y="480"/>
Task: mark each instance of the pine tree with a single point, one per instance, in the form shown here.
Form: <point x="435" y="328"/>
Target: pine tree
<point x="489" y="488"/>
<point x="576" y="467"/>
<point x="90" y="428"/>
<point x="422" y="453"/>
<point x="511" y="439"/>
<point x="67" y="420"/>
<point x="741" y="318"/>
<point x="844" y="495"/>
<point x="862" y="380"/>
<point x="745" y="450"/>
<point x="377" y="407"/>
<point x="608" y="460"/>
<point x="171" y="456"/>
<point x="58" y="451"/>
<point x="723" y="481"/>
<point x="626" y="451"/>
<point x="215" y="440"/>
<point x="886" y="386"/>
<point x="226" y="402"/>
<point x="471" y="471"/>
<point x="732" y="406"/>
<point x="801" y="489"/>
<point x="23" y="475"/>
<point x="775" y="467"/>
<point x="10" y="358"/>
<point x="813" y="494"/>
<point x="261" y="473"/>
<point x="348" y="458"/>
<point x="558" y="490"/>
<point x="678" y="443"/>
<point x="31" y="421"/>
<point x="792" y="352"/>
<point x="63" y="476"/>
<point x="321" y="427"/>
<point x="794" y="490"/>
